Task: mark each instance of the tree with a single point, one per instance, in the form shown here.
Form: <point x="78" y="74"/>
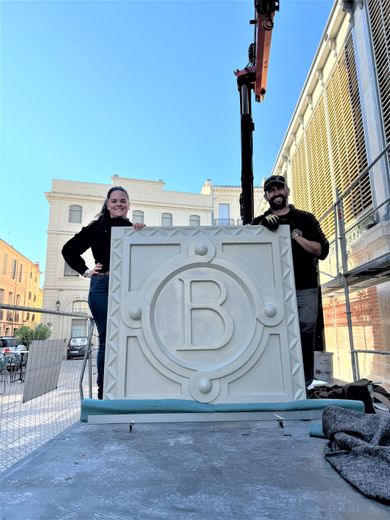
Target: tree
<point x="27" y="334"/>
<point x="42" y="331"/>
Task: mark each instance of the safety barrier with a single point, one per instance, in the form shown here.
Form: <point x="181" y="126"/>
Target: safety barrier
<point x="43" y="382"/>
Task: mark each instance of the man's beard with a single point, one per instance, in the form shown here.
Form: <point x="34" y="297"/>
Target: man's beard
<point x="278" y="205"/>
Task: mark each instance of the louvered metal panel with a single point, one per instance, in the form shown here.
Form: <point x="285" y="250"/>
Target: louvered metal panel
<point x="318" y="159"/>
<point x="348" y="152"/>
<point x="379" y="19"/>
<point x="347" y="134"/>
<point x="299" y="179"/>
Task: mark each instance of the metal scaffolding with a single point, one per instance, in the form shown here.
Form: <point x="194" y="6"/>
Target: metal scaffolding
<point x="368" y="273"/>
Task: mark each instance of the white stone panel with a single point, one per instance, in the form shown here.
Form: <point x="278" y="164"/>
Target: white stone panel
<point x="207" y="314"/>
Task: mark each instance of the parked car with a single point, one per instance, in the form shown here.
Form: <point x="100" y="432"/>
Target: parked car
<point x="7" y="352"/>
<point x="13" y="354"/>
<point x="77" y="347"/>
<point x="7" y="342"/>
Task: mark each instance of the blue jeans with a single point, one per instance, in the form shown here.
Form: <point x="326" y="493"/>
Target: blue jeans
<point x="98" y="303"/>
<point x="307" y="300"/>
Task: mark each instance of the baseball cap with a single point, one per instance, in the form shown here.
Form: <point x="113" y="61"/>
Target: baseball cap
<point x="274" y="179"/>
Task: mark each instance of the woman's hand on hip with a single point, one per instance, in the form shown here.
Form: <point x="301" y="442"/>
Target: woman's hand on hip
<point x="138" y="226"/>
<point x="90" y="272"/>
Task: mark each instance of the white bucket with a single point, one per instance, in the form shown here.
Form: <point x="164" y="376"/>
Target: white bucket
<point x="323" y="366"/>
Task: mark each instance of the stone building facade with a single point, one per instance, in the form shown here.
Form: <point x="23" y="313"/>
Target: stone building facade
<point x="19" y="285"/>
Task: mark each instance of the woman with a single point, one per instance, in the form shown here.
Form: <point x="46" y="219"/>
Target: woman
<point x="97" y="236"/>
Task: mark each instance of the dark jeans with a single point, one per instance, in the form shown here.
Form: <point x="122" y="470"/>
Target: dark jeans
<point x="98" y="303"/>
<point x="307" y="300"/>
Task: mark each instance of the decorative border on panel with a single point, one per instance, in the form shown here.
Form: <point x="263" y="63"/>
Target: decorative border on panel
<point x="190" y="231"/>
<point x="113" y="321"/>
<point x="294" y="343"/>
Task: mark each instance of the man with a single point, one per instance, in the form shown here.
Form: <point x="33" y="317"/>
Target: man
<point x="308" y="246"/>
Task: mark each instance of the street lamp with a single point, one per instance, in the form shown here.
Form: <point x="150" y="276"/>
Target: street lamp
<point x="58" y="305"/>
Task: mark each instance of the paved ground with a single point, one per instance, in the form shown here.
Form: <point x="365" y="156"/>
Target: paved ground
<point x="191" y="471"/>
<point x="27" y="425"/>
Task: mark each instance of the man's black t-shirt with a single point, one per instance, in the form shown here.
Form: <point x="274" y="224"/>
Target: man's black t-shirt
<point x="305" y="264"/>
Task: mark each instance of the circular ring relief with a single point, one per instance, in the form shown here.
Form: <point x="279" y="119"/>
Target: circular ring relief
<point x="202" y="318"/>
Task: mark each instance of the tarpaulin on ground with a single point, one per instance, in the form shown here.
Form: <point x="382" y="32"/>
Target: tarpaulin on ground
<point x="359" y="449"/>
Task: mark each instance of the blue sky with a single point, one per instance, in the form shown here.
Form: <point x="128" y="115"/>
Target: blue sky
<point x="144" y="89"/>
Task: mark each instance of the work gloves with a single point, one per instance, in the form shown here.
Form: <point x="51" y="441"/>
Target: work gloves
<point x="270" y="221"/>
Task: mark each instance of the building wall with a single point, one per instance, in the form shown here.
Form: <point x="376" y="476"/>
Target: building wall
<point x="230" y="195"/>
<point x="340" y="126"/>
<point x="370" y="332"/>
<point x="19" y="285"/>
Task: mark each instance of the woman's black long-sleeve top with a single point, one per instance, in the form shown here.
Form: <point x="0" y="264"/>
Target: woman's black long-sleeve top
<point x="97" y="236"/>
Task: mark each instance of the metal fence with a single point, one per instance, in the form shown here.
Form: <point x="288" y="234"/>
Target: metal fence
<point x="40" y="389"/>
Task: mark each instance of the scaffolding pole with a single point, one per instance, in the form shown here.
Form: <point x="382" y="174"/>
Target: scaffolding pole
<point x="344" y="264"/>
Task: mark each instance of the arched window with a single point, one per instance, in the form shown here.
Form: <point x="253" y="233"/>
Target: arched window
<point x="80" y="306"/>
<point x="194" y="220"/>
<point x="166" y="219"/>
<point x="75" y="214"/>
<point x="137" y="217"/>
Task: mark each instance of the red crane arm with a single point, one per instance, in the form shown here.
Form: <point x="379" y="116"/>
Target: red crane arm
<point x="263" y="48"/>
<point x="253" y="77"/>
